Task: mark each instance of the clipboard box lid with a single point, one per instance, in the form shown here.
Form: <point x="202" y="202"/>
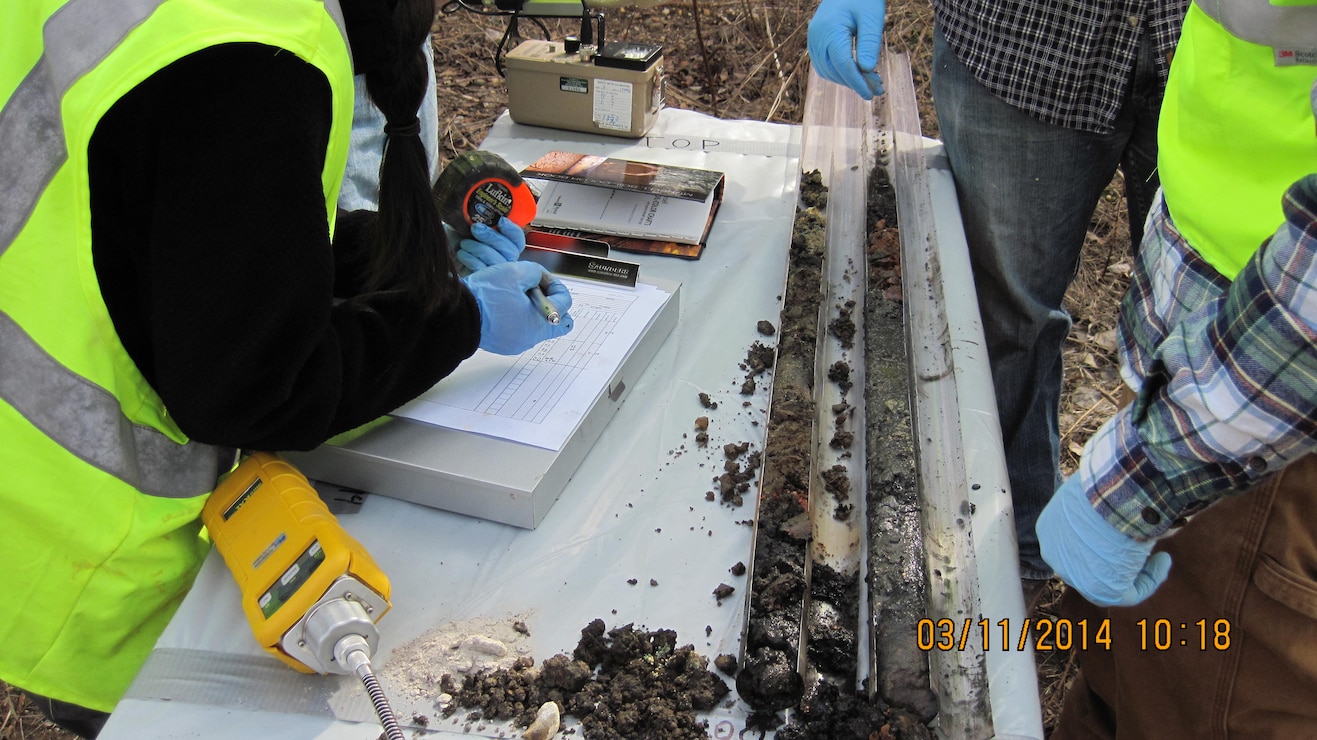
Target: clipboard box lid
<point x="477" y="475"/>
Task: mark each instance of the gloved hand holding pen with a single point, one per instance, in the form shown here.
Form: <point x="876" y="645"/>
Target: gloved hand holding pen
<point x="512" y="322"/>
<point x="1104" y="564"/>
<point x="844" y="39"/>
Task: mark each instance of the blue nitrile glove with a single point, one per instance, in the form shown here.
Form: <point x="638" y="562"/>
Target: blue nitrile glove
<point x="835" y="25"/>
<point x="510" y="322"/>
<point x="1106" y="566"/>
<point x="489" y="247"/>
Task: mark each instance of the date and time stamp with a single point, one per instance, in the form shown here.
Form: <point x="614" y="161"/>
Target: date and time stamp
<point x="1046" y="635"/>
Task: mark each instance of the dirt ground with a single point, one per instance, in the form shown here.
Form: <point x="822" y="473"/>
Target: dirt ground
<point x="746" y="59"/>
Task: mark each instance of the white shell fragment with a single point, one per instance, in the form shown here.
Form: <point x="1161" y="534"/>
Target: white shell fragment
<point x="486" y="645"/>
<point x="545" y="725"/>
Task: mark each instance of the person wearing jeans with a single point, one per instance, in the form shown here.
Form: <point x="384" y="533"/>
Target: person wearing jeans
<point x="1027" y="192"/>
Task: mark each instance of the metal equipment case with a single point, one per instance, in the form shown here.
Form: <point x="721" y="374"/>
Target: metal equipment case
<point x="549" y="86"/>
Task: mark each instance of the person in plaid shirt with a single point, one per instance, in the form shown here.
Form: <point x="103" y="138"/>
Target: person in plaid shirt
<point x="1188" y="535"/>
<point x="1227" y="378"/>
<point x="1038" y="101"/>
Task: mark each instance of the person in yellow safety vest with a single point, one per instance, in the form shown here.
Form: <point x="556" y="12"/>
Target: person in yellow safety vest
<point x="1188" y="535"/>
<point x="176" y="283"/>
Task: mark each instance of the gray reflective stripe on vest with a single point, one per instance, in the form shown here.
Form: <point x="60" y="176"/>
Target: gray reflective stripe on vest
<point x="1260" y="22"/>
<point x="32" y="146"/>
<point x="88" y="422"/>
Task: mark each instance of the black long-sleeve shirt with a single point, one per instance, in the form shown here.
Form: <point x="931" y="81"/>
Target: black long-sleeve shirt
<point x="212" y="248"/>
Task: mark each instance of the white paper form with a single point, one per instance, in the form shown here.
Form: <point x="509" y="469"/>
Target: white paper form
<point x="540" y="396"/>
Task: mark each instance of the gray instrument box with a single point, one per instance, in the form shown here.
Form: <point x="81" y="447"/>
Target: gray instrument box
<point x="617" y="96"/>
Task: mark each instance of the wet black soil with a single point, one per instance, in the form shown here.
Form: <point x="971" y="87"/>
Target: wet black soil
<point x="896" y="559"/>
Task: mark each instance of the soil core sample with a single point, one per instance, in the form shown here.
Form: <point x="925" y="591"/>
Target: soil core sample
<point x="899" y="702"/>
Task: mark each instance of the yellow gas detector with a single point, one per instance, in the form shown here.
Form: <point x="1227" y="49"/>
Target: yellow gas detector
<point x="311" y="592"/>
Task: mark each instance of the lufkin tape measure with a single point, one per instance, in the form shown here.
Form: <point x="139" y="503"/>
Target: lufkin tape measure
<point x="481" y="187"/>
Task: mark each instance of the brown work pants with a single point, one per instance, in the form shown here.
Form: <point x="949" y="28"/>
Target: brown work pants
<point x="1250" y="560"/>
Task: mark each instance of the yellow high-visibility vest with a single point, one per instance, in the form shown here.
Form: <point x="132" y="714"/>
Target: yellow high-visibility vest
<point x="1236" y="127"/>
<point x="100" y="493"/>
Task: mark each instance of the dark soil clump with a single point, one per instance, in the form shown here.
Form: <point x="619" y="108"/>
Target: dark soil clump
<point x="813" y="193"/>
<point x="769" y="680"/>
<point x="734" y="482"/>
<point x="834" y="714"/>
<point x="843" y="326"/>
<point x="623" y="683"/>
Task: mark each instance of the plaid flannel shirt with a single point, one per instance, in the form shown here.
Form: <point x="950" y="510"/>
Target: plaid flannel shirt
<point x="1067" y="62"/>
<point x="1225" y="372"/>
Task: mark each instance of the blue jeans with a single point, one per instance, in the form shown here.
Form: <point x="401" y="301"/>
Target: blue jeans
<point x="1027" y="193"/>
<point x="361" y="181"/>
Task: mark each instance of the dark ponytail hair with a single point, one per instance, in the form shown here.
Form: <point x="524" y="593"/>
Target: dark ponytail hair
<point x="410" y="251"/>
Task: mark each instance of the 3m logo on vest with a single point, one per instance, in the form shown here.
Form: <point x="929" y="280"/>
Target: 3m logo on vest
<point x="1295" y="57"/>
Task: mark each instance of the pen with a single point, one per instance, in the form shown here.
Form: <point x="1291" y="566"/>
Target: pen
<point x="542" y="302"/>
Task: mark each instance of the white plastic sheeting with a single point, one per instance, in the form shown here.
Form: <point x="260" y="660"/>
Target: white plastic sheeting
<point x="635" y="510"/>
<point x="1012" y="680"/>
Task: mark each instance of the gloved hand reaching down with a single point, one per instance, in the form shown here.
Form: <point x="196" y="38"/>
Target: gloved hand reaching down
<point x="1104" y="564"/>
<point x="844" y="39"/>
